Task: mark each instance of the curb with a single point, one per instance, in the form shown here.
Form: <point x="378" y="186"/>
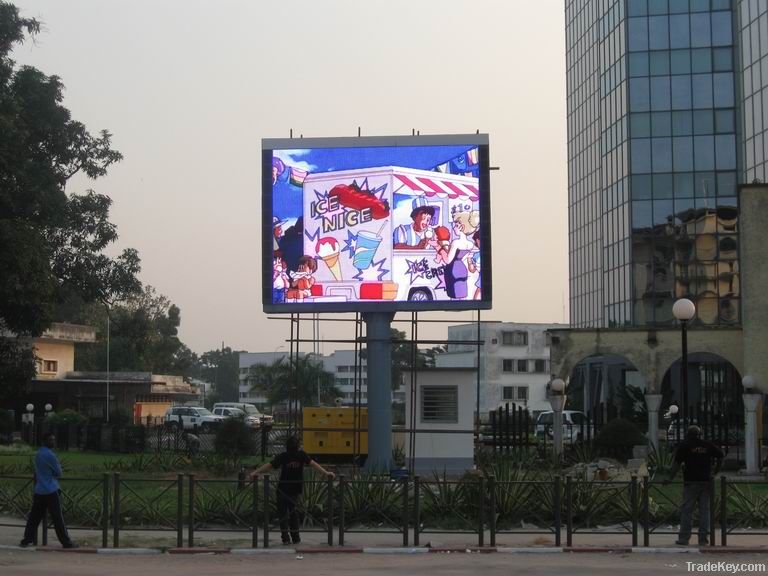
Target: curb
<point x="329" y="550"/>
<point x="68" y="550"/>
<point x="128" y="551"/>
<point x="395" y="550"/>
<point x="729" y="550"/>
<point x="548" y="550"/>
<point x="598" y="550"/>
<point x="462" y="550"/>
<point x="255" y="551"/>
<point x="639" y="550"/>
<point x="200" y="550"/>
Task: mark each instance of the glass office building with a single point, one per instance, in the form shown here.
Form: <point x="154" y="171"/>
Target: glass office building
<point x="662" y="125"/>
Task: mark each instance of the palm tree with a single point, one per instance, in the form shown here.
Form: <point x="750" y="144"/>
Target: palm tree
<point x="304" y="375"/>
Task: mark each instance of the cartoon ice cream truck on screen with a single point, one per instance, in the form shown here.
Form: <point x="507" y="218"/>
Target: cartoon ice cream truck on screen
<point x="376" y="233"/>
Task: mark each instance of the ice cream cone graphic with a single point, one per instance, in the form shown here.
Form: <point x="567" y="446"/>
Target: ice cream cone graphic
<point x="333" y="264"/>
<point x="328" y="250"/>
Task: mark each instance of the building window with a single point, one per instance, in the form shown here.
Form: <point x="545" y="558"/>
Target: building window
<point x="547" y="339"/>
<point x="440" y="404"/>
<point x="540" y="366"/>
<point x="507" y="365"/>
<point x="522" y="365"/>
<point x="515" y="393"/>
<point x="516" y="338"/>
<point x="243" y="394"/>
<point x="50" y="366"/>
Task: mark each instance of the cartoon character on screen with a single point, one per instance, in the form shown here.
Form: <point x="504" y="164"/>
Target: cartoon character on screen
<point x="302" y="280"/>
<point x="280" y="280"/>
<point x="473" y="264"/>
<point x="441" y="242"/>
<point x="416" y="235"/>
<point x="278" y="167"/>
<point x="465" y="223"/>
<point x="277" y="233"/>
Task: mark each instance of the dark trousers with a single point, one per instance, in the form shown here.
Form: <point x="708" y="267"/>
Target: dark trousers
<point x="41" y="503"/>
<point x="695" y="493"/>
<point x="289" y="517"/>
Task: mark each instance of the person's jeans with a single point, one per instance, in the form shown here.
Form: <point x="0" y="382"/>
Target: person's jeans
<point x="41" y="503"/>
<point x="289" y="517"/>
<point x="695" y="493"/>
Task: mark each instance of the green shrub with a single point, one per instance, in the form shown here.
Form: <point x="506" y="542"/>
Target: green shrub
<point x="234" y="439"/>
<point x="120" y="417"/>
<point x="617" y="438"/>
<point x="6" y="422"/>
<point x="66" y="416"/>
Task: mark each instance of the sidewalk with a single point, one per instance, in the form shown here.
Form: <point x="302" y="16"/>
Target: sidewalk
<point x="10" y="536"/>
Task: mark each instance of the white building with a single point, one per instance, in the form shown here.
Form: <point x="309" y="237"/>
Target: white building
<point x="340" y="363"/>
<point x="248" y="359"/>
<point x="514" y="362"/>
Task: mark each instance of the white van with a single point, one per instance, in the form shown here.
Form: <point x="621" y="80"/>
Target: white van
<point x="253" y="417"/>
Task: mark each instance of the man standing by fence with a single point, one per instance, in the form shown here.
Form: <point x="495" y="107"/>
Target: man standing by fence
<point x="291" y="465"/>
<point x="695" y="455"/>
<point x="46" y="496"/>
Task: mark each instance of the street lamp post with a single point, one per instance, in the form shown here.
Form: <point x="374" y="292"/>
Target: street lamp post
<point x="751" y="402"/>
<point x="108" y="364"/>
<point x="557" y="402"/>
<point x="684" y="310"/>
<point x="675" y="421"/>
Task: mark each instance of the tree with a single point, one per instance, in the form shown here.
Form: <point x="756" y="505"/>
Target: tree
<point x="51" y="242"/>
<point x="402" y="356"/>
<point x="222" y="368"/>
<point x="143" y="337"/>
<point x="304" y="373"/>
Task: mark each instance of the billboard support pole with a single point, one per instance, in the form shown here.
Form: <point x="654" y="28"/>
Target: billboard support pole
<point x="379" y="342"/>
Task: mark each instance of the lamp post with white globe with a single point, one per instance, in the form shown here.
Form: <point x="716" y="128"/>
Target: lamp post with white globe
<point x="684" y="310"/>
<point x="557" y="402"/>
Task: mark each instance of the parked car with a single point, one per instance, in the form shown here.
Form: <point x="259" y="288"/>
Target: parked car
<point x="189" y="417"/>
<point x="574" y="426"/>
<point x="253" y="417"/>
<point x="250" y="421"/>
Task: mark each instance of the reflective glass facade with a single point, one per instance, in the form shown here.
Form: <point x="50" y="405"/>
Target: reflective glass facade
<point x="659" y="221"/>
<point x="752" y="17"/>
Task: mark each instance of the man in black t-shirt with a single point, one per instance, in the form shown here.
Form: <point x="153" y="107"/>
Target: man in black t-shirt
<point x="695" y="455"/>
<point x="291" y="465"/>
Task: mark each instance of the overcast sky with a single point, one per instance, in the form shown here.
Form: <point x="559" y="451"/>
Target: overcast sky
<point x="189" y="88"/>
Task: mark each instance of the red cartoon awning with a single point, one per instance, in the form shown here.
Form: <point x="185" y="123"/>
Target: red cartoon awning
<point x="439" y="187"/>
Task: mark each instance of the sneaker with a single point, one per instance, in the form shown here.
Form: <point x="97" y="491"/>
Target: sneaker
<point x="70" y="545"/>
<point x="27" y="543"/>
<point x="681" y="542"/>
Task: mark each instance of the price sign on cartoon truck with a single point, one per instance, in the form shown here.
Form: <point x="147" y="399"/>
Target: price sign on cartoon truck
<point x="400" y="227"/>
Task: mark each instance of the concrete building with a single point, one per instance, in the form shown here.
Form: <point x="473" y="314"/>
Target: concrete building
<point x="340" y="363"/>
<point x="514" y="362"/>
<point x="665" y="125"/>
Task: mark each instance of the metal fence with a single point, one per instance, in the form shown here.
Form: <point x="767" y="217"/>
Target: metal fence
<point x="482" y="508"/>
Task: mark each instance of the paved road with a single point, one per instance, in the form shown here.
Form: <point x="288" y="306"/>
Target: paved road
<point x="23" y="563"/>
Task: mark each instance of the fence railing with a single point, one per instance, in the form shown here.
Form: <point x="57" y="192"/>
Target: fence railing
<point x="482" y="507"/>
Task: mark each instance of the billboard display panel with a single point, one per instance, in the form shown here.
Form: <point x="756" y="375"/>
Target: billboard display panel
<point x="376" y="224"/>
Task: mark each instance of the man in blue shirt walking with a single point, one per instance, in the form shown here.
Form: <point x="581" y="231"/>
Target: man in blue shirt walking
<point x="46" y="497"/>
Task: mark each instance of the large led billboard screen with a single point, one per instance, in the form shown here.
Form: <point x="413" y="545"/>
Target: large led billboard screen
<point x="376" y="224"/>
